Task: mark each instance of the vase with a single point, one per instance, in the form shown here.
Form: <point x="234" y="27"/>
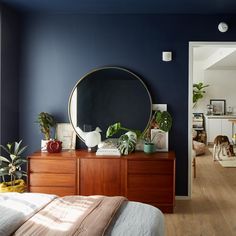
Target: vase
<point x="19" y="186"/>
<point x="54" y="146"/>
<point x="44" y="145"/>
<point x="149" y="148"/>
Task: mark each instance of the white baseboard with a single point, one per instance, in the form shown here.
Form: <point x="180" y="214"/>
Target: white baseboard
<point x="182" y="198"/>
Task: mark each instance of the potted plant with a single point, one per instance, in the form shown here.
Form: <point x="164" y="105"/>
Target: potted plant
<point x="11" y="166"/>
<point x="198" y="92"/>
<point x="160" y="120"/>
<point x="46" y="123"/>
<point x="126" y="142"/>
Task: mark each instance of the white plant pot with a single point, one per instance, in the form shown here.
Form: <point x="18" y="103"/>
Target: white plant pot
<point x="44" y="145"/>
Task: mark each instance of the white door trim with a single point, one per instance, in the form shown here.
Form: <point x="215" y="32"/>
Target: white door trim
<point x="190" y="104"/>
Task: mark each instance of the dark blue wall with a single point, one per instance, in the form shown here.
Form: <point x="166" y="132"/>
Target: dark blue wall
<point x="9" y="34"/>
<point x="57" y="50"/>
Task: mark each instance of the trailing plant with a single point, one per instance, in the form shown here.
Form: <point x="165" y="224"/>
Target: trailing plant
<point x="11" y="166"/>
<point x="46" y="123"/>
<point x="198" y="92"/>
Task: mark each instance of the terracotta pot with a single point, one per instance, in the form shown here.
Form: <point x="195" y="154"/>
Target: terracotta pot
<point x="19" y="186"/>
<point x="54" y="146"/>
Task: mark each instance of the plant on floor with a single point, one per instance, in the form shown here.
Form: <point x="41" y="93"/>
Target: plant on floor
<point x="198" y="92"/>
<point x="12" y="166"/>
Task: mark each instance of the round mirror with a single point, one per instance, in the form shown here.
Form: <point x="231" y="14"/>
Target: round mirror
<point x="106" y="96"/>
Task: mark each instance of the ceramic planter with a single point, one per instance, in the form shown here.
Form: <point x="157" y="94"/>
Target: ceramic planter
<point x="149" y="148"/>
<point x="44" y="145"/>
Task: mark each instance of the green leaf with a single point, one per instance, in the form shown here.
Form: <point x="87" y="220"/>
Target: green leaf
<point x="5" y="149"/>
<point x="4" y="170"/>
<point x="164" y="120"/>
<point x="18" y="174"/>
<point x="4" y="159"/>
<point x="113" y="129"/>
<point x="17" y="147"/>
<point x="127" y="143"/>
<point x="22" y="150"/>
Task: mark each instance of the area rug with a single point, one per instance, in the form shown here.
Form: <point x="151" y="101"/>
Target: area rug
<point x="226" y="161"/>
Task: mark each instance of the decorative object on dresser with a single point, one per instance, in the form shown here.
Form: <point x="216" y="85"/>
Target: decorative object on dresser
<point x="92" y="139"/>
<point x="46" y="123"/>
<point x="54" y="146"/>
<point x="12" y="167"/>
<point x="66" y="134"/>
<point x="157" y="132"/>
<point x="139" y="177"/>
<point x="127" y="142"/>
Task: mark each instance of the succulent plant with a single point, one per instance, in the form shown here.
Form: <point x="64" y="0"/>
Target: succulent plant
<point x="46" y="123"/>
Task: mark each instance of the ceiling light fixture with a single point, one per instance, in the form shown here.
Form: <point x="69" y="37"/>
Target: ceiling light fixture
<point x="223" y="27"/>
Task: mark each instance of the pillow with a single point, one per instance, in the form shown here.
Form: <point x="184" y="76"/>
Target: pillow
<point x="200" y="148"/>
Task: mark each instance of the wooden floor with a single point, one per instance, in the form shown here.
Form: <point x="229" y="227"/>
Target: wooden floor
<point x="212" y="209"/>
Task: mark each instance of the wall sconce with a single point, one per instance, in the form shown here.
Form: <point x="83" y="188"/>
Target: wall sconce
<point x="166" y="56"/>
<point x="223" y="27"/>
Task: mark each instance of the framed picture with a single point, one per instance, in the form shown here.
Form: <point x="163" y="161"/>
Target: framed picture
<point x="66" y="134"/>
<point x="159" y="137"/>
<point x="218" y="106"/>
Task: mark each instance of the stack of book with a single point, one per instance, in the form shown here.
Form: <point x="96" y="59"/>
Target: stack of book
<point x="108" y="148"/>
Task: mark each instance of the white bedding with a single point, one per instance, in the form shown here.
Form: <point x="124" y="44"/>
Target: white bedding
<point x="132" y="219"/>
<point x="16" y="208"/>
<point x="137" y="219"/>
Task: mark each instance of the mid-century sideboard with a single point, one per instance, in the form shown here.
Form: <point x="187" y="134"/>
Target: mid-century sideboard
<point x="148" y="178"/>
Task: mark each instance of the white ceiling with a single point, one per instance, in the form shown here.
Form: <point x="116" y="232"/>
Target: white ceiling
<point x="226" y="62"/>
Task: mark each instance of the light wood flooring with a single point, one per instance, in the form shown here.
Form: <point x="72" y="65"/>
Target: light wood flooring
<point x="212" y="209"/>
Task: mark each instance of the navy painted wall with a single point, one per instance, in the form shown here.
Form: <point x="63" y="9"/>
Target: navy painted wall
<point x="57" y="50"/>
<point x="9" y="126"/>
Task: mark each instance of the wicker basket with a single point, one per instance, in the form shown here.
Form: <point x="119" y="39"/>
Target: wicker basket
<point x="19" y="186"/>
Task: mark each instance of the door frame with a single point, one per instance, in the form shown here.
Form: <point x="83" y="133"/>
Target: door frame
<point x="192" y="45"/>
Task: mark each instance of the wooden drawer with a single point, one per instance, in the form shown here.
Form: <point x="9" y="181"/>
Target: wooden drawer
<point x="60" y="191"/>
<point x="150" y="196"/>
<point x="145" y="182"/>
<point x="150" y="167"/>
<point x="52" y="166"/>
<point x="55" y="180"/>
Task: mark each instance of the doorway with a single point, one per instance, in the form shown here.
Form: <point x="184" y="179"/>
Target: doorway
<point x="193" y="46"/>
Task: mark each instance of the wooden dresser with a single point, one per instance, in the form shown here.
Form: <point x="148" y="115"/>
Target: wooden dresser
<point x="148" y="178"/>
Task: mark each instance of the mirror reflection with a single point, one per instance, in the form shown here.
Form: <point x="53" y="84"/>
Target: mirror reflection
<point x="106" y="96"/>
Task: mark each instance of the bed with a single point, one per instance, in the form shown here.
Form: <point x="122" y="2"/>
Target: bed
<point x="38" y="214"/>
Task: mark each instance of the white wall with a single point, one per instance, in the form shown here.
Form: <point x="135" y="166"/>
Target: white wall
<point x="222" y="86"/>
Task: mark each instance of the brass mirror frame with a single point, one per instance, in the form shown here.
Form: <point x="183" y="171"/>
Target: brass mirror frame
<point x="105" y="68"/>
